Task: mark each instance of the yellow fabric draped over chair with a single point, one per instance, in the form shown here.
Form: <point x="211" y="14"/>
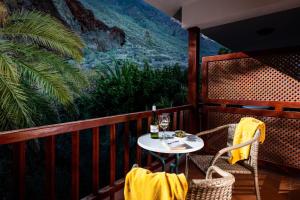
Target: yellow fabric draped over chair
<point x="142" y="184"/>
<point x="245" y="131"/>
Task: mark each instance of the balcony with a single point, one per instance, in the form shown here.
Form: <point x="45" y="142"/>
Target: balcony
<point x="225" y="99"/>
<point x="264" y="84"/>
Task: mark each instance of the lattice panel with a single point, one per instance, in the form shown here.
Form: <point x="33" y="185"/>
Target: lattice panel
<point x="282" y="144"/>
<point x="265" y="78"/>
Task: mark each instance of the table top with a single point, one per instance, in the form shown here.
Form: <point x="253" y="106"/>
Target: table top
<point x="159" y="145"/>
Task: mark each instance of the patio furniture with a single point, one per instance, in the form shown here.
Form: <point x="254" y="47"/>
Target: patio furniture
<point x="249" y="166"/>
<point x="155" y="146"/>
<point x="212" y="188"/>
<point x="141" y="183"/>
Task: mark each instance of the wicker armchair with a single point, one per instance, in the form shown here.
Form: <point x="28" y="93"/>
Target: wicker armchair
<point x="249" y="166"/>
<point x="209" y="188"/>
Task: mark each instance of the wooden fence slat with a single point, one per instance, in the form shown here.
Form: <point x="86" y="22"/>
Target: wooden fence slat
<point x="50" y="167"/>
<point x="187" y="121"/>
<point x="149" y="157"/>
<point x="112" y="157"/>
<point x="19" y="153"/>
<point x="181" y="120"/>
<point x="95" y="161"/>
<point x="126" y="148"/>
<point x="138" y="149"/>
<point x="175" y="121"/>
<point x="75" y="166"/>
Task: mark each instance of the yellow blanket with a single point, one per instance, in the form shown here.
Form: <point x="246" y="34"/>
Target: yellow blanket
<point x="245" y="131"/>
<point x="142" y="184"/>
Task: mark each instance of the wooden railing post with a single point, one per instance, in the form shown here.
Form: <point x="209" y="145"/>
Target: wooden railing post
<point x="181" y="118"/>
<point x="149" y="157"/>
<point x="50" y="167"/>
<point x="112" y="158"/>
<point x="174" y="121"/>
<point x="193" y="77"/>
<point x="126" y="147"/>
<point x="19" y="151"/>
<point x="138" y="149"/>
<point x="95" y="161"/>
<point x="75" y="166"/>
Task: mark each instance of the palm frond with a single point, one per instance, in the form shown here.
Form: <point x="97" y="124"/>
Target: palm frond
<point x="70" y="72"/>
<point x="7" y="66"/>
<point x="44" y="30"/>
<point x="33" y="52"/>
<point x="47" y="80"/>
<point x="13" y="102"/>
<point x="42" y="104"/>
<point x="46" y="70"/>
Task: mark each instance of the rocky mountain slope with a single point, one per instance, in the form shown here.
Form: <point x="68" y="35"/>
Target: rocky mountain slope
<point x="150" y="34"/>
<point x="121" y="29"/>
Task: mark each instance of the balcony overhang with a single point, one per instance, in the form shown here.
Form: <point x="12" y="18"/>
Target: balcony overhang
<point x="206" y="14"/>
<point x="240" y="24"/>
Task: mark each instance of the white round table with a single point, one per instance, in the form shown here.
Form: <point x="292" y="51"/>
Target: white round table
<point x="155" y="146"/>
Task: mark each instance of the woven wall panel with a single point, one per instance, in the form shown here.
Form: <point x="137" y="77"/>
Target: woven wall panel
<point x="282" y="144"/>
<point x="267" y="78"/>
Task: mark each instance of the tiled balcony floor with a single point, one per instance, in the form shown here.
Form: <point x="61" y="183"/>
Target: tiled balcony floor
<point x="274" y="185"/>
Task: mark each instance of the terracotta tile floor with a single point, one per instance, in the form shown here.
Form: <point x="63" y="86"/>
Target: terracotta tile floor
<point x="273" y="185"/>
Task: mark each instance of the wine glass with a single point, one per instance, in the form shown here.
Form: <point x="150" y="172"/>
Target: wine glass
<point x="164" y="120"/>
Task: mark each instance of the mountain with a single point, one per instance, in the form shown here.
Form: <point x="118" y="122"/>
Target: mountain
<point x="150" y="34"/>
<point x="121" y="29"/>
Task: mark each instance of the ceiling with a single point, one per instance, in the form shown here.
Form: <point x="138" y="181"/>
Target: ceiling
<point x="277" y="30"/>
<point x="240" y="24"/>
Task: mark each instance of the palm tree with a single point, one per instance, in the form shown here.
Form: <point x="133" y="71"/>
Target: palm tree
<point x="35" y="67"/>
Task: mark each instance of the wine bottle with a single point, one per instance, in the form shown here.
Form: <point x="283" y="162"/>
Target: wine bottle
<point x="154" y="124"/>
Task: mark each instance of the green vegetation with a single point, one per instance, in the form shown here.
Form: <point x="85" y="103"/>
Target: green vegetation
<point x="35" y="75"/>
<point x="127" y="87"/>
<point x="40" y="84"/>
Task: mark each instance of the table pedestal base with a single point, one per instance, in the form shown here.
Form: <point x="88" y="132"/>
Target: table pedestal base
<point x="173" y="167"/>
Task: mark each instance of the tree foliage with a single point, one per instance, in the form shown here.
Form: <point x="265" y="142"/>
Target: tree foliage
<point x="34" y="70"/>
<point x="125" y="87"/>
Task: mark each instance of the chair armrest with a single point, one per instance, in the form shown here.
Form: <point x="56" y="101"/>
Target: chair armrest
<point x="212" y="130"/>
<point x="226" y="179"/>
<point x="227" y="149"/>
<point x="217" y="170"/>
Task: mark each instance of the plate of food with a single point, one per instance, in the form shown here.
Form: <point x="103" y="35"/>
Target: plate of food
<point x="180" y="133"/>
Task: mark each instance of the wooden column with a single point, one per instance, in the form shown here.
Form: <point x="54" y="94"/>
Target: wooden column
<point x="193" y="77"/>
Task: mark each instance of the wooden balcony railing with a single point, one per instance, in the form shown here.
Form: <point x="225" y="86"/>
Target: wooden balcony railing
<point x="18" y="139"/>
